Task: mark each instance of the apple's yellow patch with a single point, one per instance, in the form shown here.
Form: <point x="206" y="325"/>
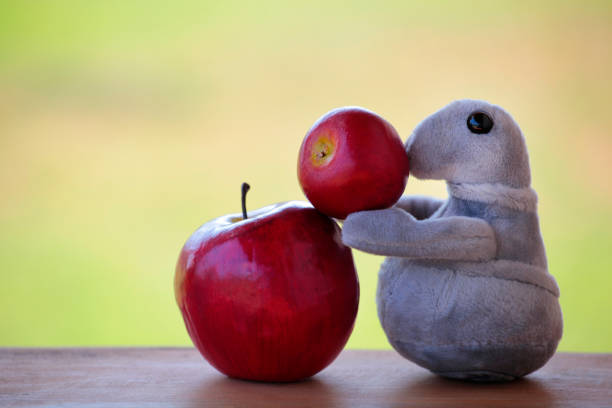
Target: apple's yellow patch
<point x="323" y="150"/>
<point x="179" y="280"/>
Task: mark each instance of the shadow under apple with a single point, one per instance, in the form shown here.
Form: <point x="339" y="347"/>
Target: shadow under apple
<point x="229" y="392"/>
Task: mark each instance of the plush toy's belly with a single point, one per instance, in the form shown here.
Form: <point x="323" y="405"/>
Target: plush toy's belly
<point x="461" y="325"/>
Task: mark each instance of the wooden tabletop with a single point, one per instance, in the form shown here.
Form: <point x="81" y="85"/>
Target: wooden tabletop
<point x="168" y="377"/>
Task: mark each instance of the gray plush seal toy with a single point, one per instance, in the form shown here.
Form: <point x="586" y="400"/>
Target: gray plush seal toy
<point x="465" y="290"/>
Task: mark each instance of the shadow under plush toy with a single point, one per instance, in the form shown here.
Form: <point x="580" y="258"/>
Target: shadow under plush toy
<point x="465" y="291"/>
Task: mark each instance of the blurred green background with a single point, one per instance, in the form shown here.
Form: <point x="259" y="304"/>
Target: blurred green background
<point x="126" y="125"/>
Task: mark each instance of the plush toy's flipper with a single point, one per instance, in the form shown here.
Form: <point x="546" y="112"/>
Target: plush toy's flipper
<point x="421" y="207"/>
<point x="394" y="232"/>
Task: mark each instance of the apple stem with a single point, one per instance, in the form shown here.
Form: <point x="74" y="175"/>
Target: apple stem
<point x="245" y="188"/>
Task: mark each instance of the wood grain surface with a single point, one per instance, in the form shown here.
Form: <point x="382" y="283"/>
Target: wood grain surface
<point x="169" y="377"/>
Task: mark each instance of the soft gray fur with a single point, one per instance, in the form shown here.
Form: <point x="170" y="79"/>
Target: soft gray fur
<point x="465" y="290"/>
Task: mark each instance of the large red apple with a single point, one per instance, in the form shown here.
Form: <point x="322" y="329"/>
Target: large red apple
<point x="352" y="160"/>
<point x="270" y="298"/>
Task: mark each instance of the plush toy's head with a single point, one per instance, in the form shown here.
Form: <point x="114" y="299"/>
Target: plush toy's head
<point x="470" y="141"/>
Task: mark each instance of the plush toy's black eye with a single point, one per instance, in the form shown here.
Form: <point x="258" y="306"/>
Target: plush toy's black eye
<point x="479" y="122"/>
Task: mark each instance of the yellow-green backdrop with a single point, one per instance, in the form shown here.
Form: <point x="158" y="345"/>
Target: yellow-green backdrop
<point x="125" y="125"/>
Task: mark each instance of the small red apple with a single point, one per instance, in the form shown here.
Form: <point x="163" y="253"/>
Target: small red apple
<point x="272" y="297"/>
<point x="352" y="160"/>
